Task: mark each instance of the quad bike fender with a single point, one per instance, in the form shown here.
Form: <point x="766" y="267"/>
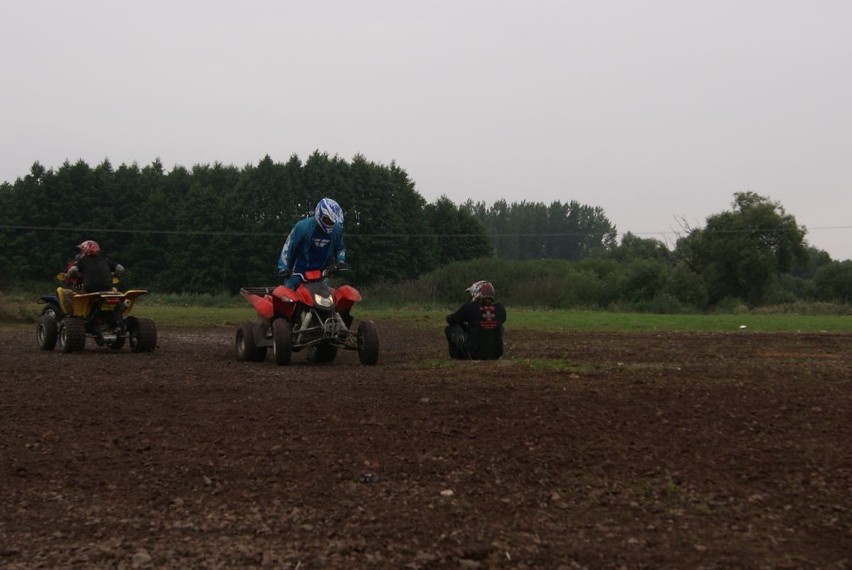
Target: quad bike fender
<point x="130" y="297"/>
<point x="132" y="294"/>
<point x="110" y="300"/>
<point x="263" y="305"/>
<point x="81" y="303"/>
<point x="54" y="301"/>
<point x="345" y="296"/>
<point x="285" y="294"/>
<point x="66" y="300"/>
<point x="300" y="295"/>
<point x="285" y="300"/>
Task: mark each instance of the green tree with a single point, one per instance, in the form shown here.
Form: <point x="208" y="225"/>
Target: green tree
<point x="741" y="252"/>
<point x="590" y="229"/>
<point x="377" y="223"/>
<point x="499" y="222"/>
<point x="807" y="266"/>
<point x="642" y="280"/>
<point x="686" y="286"/>
<point x="633" y="247"/>
<point x="458" y="235"/>
<point x="533" y="230"/>
<point x="834" y="281"/>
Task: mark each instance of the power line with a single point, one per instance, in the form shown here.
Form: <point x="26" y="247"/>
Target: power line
<point x="228" y="233"/>
<point x="385" y="235"/>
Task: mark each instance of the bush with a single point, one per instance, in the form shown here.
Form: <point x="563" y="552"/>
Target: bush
<point x="16" y="309"/>
<point x="834" y="282"/>
<point x="731" y="305"/>
<point x="641" y="280"/>
<point x="662" y="304"/>
<point x="789" y="288"/>
<point x="687" y="287"/>
<point x="804" y="308"/>
<point x="419" y="292"/>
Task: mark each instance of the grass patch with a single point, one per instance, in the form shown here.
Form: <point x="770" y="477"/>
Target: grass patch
<point x="644" y="322"/>
<point x="184" y="316"/>
<point x="564" y="320"/>
<point x="219" y="300"/>
<point x="223" y="310"/>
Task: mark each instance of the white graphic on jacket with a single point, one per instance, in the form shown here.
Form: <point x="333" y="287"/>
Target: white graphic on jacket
<point x="309" y="247"/>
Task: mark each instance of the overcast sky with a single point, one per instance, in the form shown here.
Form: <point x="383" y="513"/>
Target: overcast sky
<point x="657" y="111"/>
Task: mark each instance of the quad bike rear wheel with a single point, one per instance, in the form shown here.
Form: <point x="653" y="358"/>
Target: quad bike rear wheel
<point x="143" y="334"/>
<point x="71" y="334"/>
<point x="282" y="344"/>
<point x="47" y="332"/>
<point x="247" y="349"/>
<point x="368" y="342"/>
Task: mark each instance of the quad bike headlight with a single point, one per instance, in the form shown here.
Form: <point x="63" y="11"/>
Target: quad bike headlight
<point x="127" y="303"/>
<point x="322" y="301"/>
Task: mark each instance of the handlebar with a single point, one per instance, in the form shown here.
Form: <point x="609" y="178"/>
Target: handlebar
<point x="315" y="274"/>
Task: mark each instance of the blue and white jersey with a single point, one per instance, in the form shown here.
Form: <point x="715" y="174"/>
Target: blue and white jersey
<point x="309" y="247"/>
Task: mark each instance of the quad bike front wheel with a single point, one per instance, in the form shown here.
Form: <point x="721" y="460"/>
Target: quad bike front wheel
<point x="51" y="310"/>
<point x="247" y="349"/>
<point x="71" y="334"/>
<point x="47" y="332"/>
<point x="368" y="342"/>
<point x="282" y="344"/>
<point x="143" y="334"/>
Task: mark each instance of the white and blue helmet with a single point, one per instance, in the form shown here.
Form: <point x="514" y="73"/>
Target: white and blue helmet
<point x="327" y="213"/>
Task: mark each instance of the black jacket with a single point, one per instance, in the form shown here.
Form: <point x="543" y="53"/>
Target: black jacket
<point x="96" y="273"/>
<point x="484" y="325"/>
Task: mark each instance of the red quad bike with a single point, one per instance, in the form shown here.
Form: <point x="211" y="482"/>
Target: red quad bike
<point x="311" y="317"/>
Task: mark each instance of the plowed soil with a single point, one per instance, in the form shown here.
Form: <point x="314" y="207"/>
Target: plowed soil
<point x="576" y="450"/>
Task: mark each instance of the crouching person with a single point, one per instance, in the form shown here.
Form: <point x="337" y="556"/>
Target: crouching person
<point x="475" y="330"/>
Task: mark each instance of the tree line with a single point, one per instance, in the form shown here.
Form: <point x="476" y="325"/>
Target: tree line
<point x="215" y="228"/>
<point x="754" y="254"/>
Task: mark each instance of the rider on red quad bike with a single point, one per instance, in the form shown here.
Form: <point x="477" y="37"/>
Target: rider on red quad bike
<point x="312" y="244"/>
<point x="305" y="312"/>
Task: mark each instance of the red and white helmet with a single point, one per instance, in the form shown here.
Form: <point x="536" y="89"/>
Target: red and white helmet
<point x="89" y="247"/>
<point x="480" y="290"/>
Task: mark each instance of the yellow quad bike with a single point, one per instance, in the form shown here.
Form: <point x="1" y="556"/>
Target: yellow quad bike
<point x="103" y="316"/>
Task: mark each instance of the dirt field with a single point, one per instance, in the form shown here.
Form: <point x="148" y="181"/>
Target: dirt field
<point x="576" y="451"/>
